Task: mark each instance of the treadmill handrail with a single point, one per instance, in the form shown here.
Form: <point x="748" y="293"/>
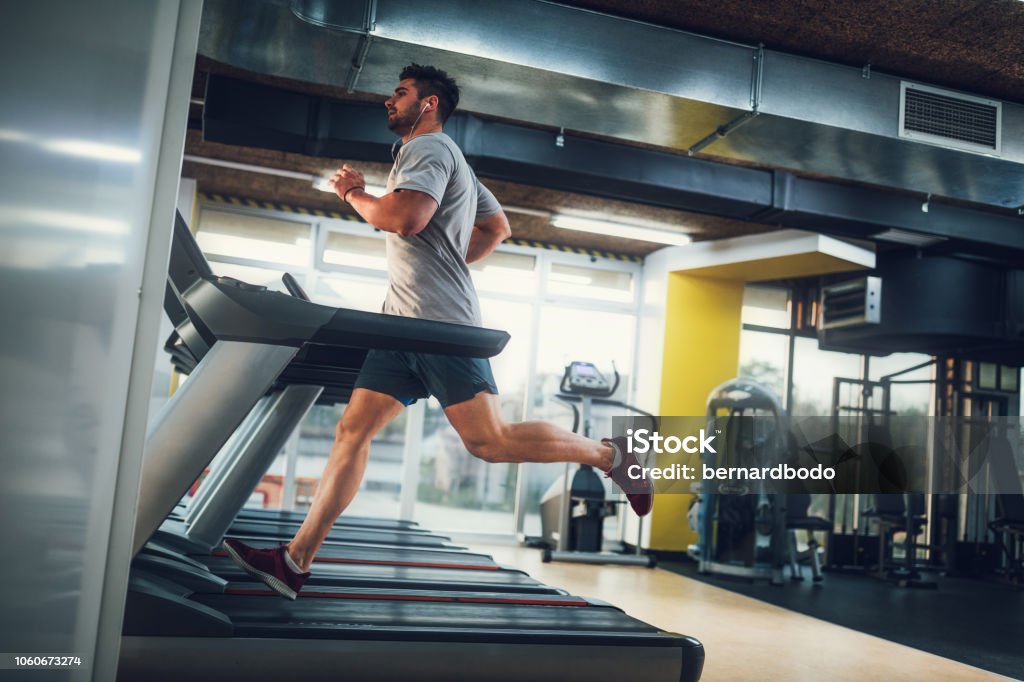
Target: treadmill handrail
<point x="232" y="311"/>
<point x="271" y="317"/>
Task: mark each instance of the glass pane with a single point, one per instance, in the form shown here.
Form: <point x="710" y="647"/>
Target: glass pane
<point x="905" y="399"/>
<point x="509" y="367"/>
<point x="357" y="293"/>
<point x="271" y="279"/>
<point x="766" y="306"/>
<point x="458" y="491"/>
<point x="987" y="375"/>
<point x="355" y="251"/>
<point x="582" y="282"/>
<point x="1007" y="378"/>
<point x="763" y="357"/>
<point x="565" y="335"/>
<point x="378" y="494"/>
<point x="240" y="235"/>
<point x="813" y="374"/>
<point x="505" y="272"/>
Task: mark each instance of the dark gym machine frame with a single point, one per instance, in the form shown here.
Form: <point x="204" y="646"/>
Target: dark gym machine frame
<point x="587" y="396"/>
<point x="891" y="516"/>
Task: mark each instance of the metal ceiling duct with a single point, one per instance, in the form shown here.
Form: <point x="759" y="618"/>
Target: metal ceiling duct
<point x="550" y="65"/>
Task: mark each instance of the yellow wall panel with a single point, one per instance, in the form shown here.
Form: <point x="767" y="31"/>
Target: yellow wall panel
<point x="702" y="349"/>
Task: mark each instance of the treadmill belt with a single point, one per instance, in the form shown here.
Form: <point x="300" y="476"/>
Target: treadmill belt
<point x="342" y="534"/>
<point x="400" y="556"/>
<point x="434" y="595"/>
<point x="383" y="575"/>
<point x="344" y="521"/>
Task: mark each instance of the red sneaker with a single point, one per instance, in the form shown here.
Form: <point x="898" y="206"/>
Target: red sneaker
<point x="269" y="566"/>
<point x="639" y="491"/>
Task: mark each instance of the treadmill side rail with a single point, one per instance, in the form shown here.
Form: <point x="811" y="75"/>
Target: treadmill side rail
<point x="197" y="421"/>
<point x="257" y="454"/>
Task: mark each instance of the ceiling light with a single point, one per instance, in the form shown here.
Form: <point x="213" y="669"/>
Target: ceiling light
<point x="622" y="230"/>
<point x="374" y="190"/>
<point x="909" y="238"/>
<point x="522" y="210"/>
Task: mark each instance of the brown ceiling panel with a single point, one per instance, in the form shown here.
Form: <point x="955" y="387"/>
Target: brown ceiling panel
<point x="970" y="45"/>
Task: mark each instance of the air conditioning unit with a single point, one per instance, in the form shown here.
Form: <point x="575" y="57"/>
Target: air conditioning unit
<point x="852" y="303"/>
<point x="936" y="305"/>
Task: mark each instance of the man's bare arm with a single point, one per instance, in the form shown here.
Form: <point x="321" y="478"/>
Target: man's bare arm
<point x="405" y="212"/>
<point x="486" y="236"/>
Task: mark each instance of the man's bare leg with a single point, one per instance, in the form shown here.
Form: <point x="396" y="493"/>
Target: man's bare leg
<point x="367" y="413"/>
<point x="487" y="435"/>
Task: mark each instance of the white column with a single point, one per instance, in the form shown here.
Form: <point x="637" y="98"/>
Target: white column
<point x="411" y="459"/>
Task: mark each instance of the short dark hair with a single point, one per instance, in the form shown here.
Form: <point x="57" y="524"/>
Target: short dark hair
<point x="431" y="81"/>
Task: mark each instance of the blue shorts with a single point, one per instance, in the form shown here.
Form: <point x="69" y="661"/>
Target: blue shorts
<point x="407" y="377"/>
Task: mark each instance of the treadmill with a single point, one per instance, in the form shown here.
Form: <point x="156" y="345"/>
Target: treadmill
<point x="196" y="528"/>
<point x="172" y="629"/>
<point x="217" y="509"/>
<point x="249" y="453"/>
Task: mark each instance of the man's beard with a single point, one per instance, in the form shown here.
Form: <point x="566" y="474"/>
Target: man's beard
<point x="399" y="124"/>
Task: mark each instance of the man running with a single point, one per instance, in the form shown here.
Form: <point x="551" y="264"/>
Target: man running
<point x="438" y="218"/>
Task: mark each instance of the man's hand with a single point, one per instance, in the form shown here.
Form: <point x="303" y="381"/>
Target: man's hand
<point x="346" y="179"/>
<point x="486" y="236"/>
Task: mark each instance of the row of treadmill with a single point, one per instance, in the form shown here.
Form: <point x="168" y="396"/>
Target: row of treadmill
<point x="387" y="600"/>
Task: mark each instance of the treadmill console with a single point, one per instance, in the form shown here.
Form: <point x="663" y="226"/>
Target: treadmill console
<point x="583" y="378"/>
<point x="239" y="284"/>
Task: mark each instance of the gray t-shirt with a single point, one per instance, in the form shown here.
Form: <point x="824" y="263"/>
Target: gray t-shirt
<point x="427" y="272"/>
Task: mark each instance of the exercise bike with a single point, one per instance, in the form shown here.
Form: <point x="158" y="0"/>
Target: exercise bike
<point x="573" y="509"/>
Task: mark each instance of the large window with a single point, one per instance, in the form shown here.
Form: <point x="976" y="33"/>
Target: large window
<point x="578" y="281"/>
<point x="814" y="371"/>
<point x="790" y="362"/>
<point x="567" y="334"/>
<point x="764" y="341"/>
<point x="354" y="251"/>
<point x="505" y="273"/>
<point x="910" y="391"/>
<point x="232" y="235"/>
<point x="766" y="307"/>
<point x="456" y="490"/>
<point x="763" y="357"/>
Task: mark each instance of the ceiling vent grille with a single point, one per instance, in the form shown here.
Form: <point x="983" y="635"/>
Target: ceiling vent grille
<point x="950" y="119"/>
<point x="852" y="303"/>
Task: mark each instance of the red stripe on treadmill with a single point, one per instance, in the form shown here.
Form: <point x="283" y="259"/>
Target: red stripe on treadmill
<point x="510" y="600"/>
<point x="420" y="564"/>
<point x="375" y="562"/>
<point x="244" y="591"/>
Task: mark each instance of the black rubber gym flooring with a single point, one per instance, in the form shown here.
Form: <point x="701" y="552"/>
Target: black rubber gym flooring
<point x="972" y="621"/>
